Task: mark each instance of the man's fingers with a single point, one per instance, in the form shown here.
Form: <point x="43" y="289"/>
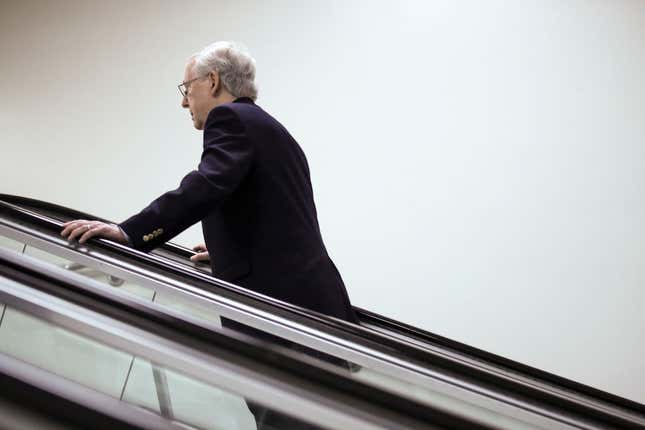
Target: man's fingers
<point x="71" y="225"/>
<point x="88" y="234"/>
<point x="78" y="231"/>
<point x="83" y="230"/>
<point x="100" y="230"/>
<point x="74" y="232"/>
<point x="201" y="256"/>
<point x="199" y="248"/>
<point x="74" y="229"/>
<point x="67" y="232"/>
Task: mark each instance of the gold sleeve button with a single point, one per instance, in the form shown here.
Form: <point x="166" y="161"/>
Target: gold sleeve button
<point x="146" y="238"/>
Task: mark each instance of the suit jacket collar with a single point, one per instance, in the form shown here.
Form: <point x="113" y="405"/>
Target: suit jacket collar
<point x="243" y="100"/>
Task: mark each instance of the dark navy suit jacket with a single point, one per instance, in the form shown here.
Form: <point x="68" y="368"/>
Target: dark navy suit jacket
<point x="252" y="192"/>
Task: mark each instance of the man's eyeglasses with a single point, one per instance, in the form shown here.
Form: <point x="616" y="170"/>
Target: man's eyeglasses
<point x="184" y="86"/>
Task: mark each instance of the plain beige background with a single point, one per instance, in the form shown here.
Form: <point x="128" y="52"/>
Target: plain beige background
<point x="478" y="166"/>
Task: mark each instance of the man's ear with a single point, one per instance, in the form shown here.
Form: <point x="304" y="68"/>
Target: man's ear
<point x="215" y="83"/>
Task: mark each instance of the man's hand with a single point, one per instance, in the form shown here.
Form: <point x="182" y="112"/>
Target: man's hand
<point x="202" y="253"/>
<point x="84" y="229"/>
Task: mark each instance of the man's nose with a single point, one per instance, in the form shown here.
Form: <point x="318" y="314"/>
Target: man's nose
<point x="184" y="102"/>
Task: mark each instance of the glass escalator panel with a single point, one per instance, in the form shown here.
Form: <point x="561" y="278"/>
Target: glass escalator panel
<point x="93" y="273"/>
<point x="62" y="352"/>
<point x="10" y="244"/>
<point x="426" y="388"/>
<point x="179" y="303"/>
<point x="479" y="404"/>
<point x="185" y="399"/>
<point x="131" y="369"/>
<point x="119" y="374"/>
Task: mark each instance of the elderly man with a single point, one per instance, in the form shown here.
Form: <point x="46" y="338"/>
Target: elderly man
<point x="252" y="192"/>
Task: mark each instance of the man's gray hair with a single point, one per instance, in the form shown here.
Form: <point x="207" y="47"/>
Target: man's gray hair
<point x="234" y="64"/>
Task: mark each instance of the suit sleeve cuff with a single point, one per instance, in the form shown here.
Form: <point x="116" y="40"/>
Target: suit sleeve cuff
<point x="127" y="237"/>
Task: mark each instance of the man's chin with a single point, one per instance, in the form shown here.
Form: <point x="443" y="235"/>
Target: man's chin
<point x="199" y="125"/>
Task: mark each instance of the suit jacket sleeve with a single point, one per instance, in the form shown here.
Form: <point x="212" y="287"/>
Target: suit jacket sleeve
<point x="225" y="161"/>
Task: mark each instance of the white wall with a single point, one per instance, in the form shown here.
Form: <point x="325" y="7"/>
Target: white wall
<point x="478" y="166"/>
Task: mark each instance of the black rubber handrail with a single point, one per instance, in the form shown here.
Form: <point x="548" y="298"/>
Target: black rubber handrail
<point x="411" y="352"/>
<point x="412" y="332"/>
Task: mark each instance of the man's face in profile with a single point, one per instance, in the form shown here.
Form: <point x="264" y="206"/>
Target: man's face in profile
<point x="198" y="99"/>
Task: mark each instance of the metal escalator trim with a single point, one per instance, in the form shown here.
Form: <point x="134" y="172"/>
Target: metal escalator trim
<point x="373" y="318"/>
<point x="70" y="401"/>
<point x="375" y="359"/>
<point x="495" y="363"/>
<point x="274" y="379"/>
<point x="449" y="384"/>
<point x="382" y="322"/>
<point x="584" y="406"/>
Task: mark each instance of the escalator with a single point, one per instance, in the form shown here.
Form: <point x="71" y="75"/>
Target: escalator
<point x="401" y="360"/>
<point x="134" y="364"/>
